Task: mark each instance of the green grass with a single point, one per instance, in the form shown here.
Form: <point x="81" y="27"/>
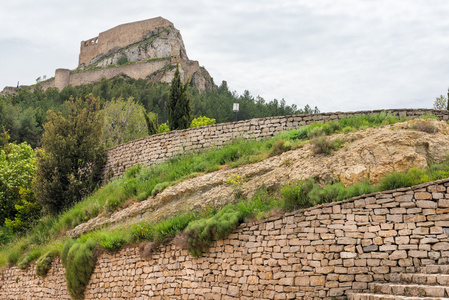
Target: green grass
<point x="139" y="183"/>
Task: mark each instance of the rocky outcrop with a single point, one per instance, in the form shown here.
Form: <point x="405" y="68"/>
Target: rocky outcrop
<point x="148" y="49"/>
<point x="369" y="154"/>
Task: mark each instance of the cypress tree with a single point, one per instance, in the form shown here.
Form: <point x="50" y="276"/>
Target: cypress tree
<point x="179" y="111"/>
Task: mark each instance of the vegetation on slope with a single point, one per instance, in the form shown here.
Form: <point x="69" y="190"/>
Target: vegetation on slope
<point x="24" y="114"/>
<point x="199" y="228"/>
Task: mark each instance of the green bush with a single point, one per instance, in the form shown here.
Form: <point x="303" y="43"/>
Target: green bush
<point x="201" y="121"/>
<point x="280" y="146"/>
<point x="202" y="233"/>
<point x="79" y="262"/>
<point x="17" y="169"/>
<point x="325" y="145"/>
<point x="25" y="261"/>
<point x="43" y="264"/>
<point x="112" y="241"/>
<point x="28" y="211"/>
<point x="163" y="128"/>
<point x="5" y="236"/>
<point x="159" y="188"/>
<point x="122" y="60"/>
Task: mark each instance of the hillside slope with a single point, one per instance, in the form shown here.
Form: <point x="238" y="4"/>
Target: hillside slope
<point x="369" y="154"/>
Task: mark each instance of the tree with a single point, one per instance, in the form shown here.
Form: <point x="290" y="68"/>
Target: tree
<point x="202" y="121"/>
<point x="70" y="162"/>
<point x="123" y="122"/>
<point x="179" y="111"/>
<point x="151" y="120"/>
<point x="440" y="103"/>
<point x="17" y="169"/>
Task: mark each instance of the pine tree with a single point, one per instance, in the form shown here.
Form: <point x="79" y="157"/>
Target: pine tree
<point x="179" y="111"/>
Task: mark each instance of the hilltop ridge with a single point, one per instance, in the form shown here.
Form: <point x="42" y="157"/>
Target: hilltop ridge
<point x="148" y="49"/>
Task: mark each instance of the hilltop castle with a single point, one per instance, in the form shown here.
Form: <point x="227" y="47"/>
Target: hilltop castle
<point x="148" y="49"/>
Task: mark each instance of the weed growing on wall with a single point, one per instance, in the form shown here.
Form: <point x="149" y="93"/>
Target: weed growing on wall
<point x="79" y="262"/>
<point x="202" y="233"/>
<point x="43" y="264"/>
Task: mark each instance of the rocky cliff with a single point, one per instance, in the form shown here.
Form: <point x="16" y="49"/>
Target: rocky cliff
<point x="148" y="49"/>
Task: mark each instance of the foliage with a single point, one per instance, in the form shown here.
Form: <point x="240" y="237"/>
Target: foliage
<point x="32" y="255"/>
<point x="163" y="128"/>
<point x="203" y="232"/>
<point x="201" y="121"/>
<point x="122" y="60"/>
<point x="17" y="169"/>
<point x="235" y="180"/>
<point x="24" y="114"/>
<point x="179" y="110"/>
<point x="123" y="122"/>
<point x="43" y="264"/>
<point x="70" y="165"/>
<point x="79" y="261"/>
<point x="424" y="126"/>
<point x="159" y="188"/>
<point x="151" y="121"/>
<point x="140" y="181"/>
<point x="112" y="241"/>
<point x="440" y="103"/>
<point x="280" y="146"/>
<point x="28" y="211"/>
<point x="325" y="145"/>
<point x="5" y="235"/>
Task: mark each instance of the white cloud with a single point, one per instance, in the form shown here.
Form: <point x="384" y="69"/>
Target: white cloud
<point x="339" y="55"/>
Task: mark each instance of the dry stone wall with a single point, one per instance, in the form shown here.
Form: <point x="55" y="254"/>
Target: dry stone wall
<point x="158" y="148"/>
<point x="318" y="253"/>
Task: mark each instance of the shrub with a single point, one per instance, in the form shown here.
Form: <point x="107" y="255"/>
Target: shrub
<point x="424" y="126"/>
<point x="112" y="241"/>
<point x="159" y="188"/>
<point x="295" y="194"/>
<point x="79" y="261"/>
<point x="5" y="236"/>
<point x="163" y="128"/>
<point x="201" y="121"/>
<point x="280" y="146"/>
<point x="202" y="233"/>
<point x="30" y="257"/>
<point x="28" y="211"/>
<point x="17" y="169"/>
<point x="325" y="145"/>
<point x="122" y="60"/>
<point x="43" y="264"/>
<point x="397" y="180"/>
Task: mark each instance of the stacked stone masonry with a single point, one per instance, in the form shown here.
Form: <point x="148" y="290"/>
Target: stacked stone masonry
<point x="327" y="251"/>
<point x="158" y="148"/>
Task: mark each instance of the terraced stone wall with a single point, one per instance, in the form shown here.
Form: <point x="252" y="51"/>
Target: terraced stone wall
<point x="158" y="148"/>
<point x="319" y="253"/>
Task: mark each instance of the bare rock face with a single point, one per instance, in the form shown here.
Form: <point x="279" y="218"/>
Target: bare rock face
<point x="370" y="154"/>
<point x="163" y="42"/>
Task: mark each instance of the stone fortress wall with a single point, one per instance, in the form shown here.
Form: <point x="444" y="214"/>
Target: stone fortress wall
<point x="317" y="253"/>
<point x="158" y="148"/>
<point x="118" y="37"/>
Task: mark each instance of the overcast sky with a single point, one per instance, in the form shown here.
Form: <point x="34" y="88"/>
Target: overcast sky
<point x="343" y="55"/>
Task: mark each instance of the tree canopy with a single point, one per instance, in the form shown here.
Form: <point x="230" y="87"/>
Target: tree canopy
<point x="72" y="155"/>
